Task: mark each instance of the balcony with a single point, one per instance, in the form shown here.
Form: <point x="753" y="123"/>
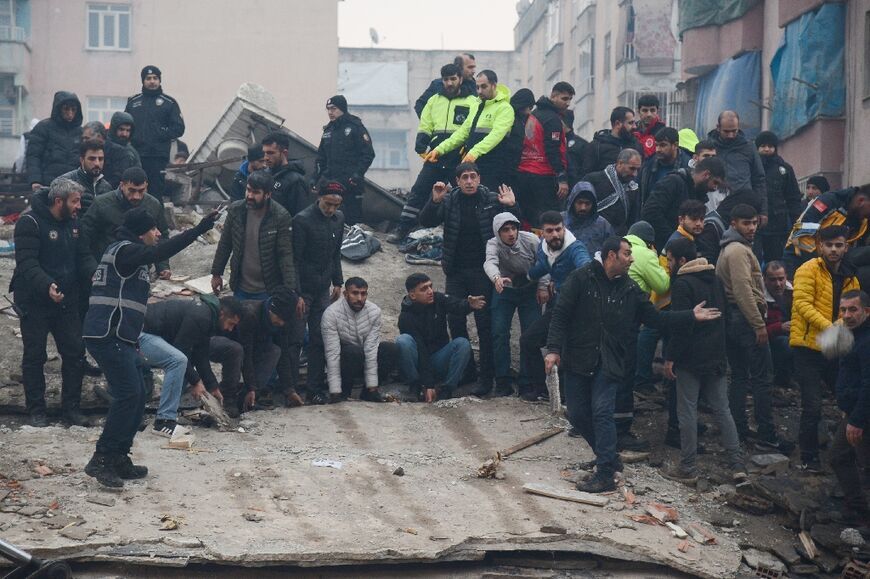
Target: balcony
<point x="13" y="34"/>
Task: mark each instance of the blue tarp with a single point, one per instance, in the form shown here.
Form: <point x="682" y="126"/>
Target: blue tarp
<point x="731" y="86"/>
<point x="812" y="50"/>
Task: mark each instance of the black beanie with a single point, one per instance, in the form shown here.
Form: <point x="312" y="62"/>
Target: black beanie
<point x="523" y="98"/>
<point x="821" y="182"/>
<point x="283" y="304"/>
<point x="139" y="221"/>
<point x="150" y="69"/>
<point x="339" y="102"/>
<point x="767" y="138"/>
<point x="331" y="188"/>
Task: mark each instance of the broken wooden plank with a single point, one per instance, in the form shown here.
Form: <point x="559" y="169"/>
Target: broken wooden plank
<point x="808" y="544"/>
<point x="565" y="495"/>
<point x="531" y="441"/>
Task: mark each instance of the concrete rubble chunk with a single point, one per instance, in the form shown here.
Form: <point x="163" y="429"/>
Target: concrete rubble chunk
<point x="554" y="529"/>
<point x="77" y="533"/>
<point x="775" y="464"/>
<point x="852" y="538"/>
<point x="101" y="500"/>
<point x="761" y="560"/>
<point x="787" y="553"/>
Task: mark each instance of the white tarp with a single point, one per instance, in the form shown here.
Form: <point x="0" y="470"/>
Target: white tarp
<point x="374" y="83"/>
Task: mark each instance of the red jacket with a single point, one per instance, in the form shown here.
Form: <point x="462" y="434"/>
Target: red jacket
<point x="544" y="145"/>
<point x="647" y="138"/>
<point x="778" y="312"/>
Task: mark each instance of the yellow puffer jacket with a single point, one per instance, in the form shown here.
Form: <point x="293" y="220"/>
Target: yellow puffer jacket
<point x="812" y="306"/>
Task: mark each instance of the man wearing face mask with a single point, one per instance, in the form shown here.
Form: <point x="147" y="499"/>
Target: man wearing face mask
<point x="158" y="121"/>
<point x="608" y="143"/>
<point x="53" y="146"/>
<point x="107" y="213"/>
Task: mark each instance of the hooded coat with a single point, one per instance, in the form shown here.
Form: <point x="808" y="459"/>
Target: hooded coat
<point x="435" y="87"/>
<point x="513" y="261"/>
<point x="604" y="149"/>
<point x="663" y="204"/>
<point x="544" y="146"/>
<point x="646" y="270"/>
<point x="740" y="272"/>
<point x="617" y="214"/>
<point x="291" y="190"/>
<point x="743" y="167"/>
<point x="53" y="146"/>
<point x="560" y="263"/>
<point x="120" y="153"/>
<point x="700" y="348"/>
<point x="783" y="195"/>
<point x="647" y="137"/>
<point x="591" y="229"/>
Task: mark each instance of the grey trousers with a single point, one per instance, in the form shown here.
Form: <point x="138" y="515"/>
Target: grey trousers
<point x="231" y="356"/>
<point x="715" y="389"/>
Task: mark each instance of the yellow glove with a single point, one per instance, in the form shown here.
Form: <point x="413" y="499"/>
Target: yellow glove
<point x="432" y="156"/>
<point x="469" y="158"/>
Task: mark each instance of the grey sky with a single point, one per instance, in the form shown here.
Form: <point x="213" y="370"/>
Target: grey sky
<point x="429" y="24"/>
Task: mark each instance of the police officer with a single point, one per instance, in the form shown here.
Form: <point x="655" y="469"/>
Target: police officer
<point x="119" y="295"/>
<point x="344" y="155"/>
<point x="49" y="258"/>
<point x="158" y="121"/>
<point x="442" y="115"/>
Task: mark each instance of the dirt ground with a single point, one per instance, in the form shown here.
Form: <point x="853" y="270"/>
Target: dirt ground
<point x="258" y="498"/>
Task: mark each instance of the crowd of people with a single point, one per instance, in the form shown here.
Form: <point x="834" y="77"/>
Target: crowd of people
<point x="605" y="249"/>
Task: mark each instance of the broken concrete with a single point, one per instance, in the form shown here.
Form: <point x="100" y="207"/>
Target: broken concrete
<point x="772" y="464"/>
<point x="319" y="516"/>
<point x="761" y="560"/>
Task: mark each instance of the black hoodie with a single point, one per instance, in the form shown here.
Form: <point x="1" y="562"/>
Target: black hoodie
<point x="604" y="149"/>
<point x="120" y="153"/>
<point x="53" y="147"/>
<point x="427" y="324"/>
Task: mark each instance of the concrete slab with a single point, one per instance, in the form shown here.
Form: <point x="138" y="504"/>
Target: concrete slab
<point x="310" y="516"/>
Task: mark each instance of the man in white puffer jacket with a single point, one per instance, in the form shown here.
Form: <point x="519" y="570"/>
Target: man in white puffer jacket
<point x="351" y="330"/>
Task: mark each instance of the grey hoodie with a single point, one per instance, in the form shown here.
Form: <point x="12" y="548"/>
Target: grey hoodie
<point x="513" y="261"/>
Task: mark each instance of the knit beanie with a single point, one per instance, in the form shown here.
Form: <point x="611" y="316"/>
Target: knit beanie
<point x="767" y="138"/>
<point x="644" y="231"/>
<point x="523" y="98"/>
<point x="139" y="221"/>
<point x="331" y="188"/>
<point x="339" y="102"/>
<point x="150" y="69"/>
<point x="821" y="182"/>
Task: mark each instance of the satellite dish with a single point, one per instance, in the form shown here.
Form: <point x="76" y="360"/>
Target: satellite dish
<point x="374" y="35"/>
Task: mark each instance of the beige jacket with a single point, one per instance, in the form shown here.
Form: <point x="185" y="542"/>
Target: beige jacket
<point x="740" y="272"/>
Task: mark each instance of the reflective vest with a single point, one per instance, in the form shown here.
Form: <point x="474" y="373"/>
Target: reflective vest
<point x="828" y="209"/>
<point x="117" y="301"/>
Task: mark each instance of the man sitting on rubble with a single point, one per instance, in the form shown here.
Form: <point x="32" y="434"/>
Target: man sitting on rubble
<point x="427" y="355"/>
<point x="107" y="213"/>
<point x="176" y="338"/>
<point x="259" y="344"/>
<point x="351" y="329"/>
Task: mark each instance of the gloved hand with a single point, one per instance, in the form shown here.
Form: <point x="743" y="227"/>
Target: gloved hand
<point x="208" y="221"/>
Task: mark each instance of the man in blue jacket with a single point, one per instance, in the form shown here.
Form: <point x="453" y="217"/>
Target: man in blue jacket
<point x="558" y="255"/>
<point x="850" y="447"/>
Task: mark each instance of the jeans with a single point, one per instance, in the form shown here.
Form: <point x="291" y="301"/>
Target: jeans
<point x="531" y="342"/>
<point x="122" y="367"/>
<point x="62" y="322"/>
<point x="448" y="363"/>
<point x="715" y="389"/>
<point x="421" y="191"/>
<point x="751" y="368"/>
<point x="591" y="401"/>
<point x="158" y="353"/>
<point x="316" y="354"/>
<point x="504" y="304"/>
<point x="536" y="194"/>
<point x="811" y="369"/>
<point x="783" y="359"/>
<point x="473" y="282"/>
<point x="231" y="355"/>
<point x="241" y="294"/>
<point x="845" y="462"/>
<point x="353" y="362"/>
<point x="647" y="340"/>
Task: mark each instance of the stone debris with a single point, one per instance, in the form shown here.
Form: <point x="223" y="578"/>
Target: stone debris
<point x="763" y="561"/>
<point x="774" y="464"/>
<point x="399" y="471"/>
<point x="100" y="500"/>
<point x="77" y="533"/>
<point x="327" y="463"/>
<point x="662" y="513"/>
<point x="170" y="523"/>
<point x="252" y="517"/>
<point x="852" y="538"/>
<point x="554" y="529"/>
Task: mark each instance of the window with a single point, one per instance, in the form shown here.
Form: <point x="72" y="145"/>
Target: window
<point x="391" y="149"/>
<point x="6" y="15"/>
<point x="108" y="26"/>
<point x="587" y="65"/>
<point x="607" y="51"/>
<point x="8" y="102"/>
<point x="553" y="24"/>
<point x="101" y="108"/>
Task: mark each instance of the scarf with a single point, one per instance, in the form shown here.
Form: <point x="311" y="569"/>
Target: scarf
<point x="618" y="194"/>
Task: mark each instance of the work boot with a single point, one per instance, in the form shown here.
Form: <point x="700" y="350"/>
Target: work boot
<point x="102" y="467"/>
<point x="482" y="388"/>
<point x="504" y="388"/>
<point x="38" y="419"/>
<point x="374" y="395"/>
<point x="74" y="417"/>
<point x="629" y="441"/>
<point x="676" y="473"/>
<point x="533" y="394"/>
<point x="810" y="463"/>
<point x="597" y="483"/>
<point x="398" y="236"/>
<point x="127" y="470"/>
